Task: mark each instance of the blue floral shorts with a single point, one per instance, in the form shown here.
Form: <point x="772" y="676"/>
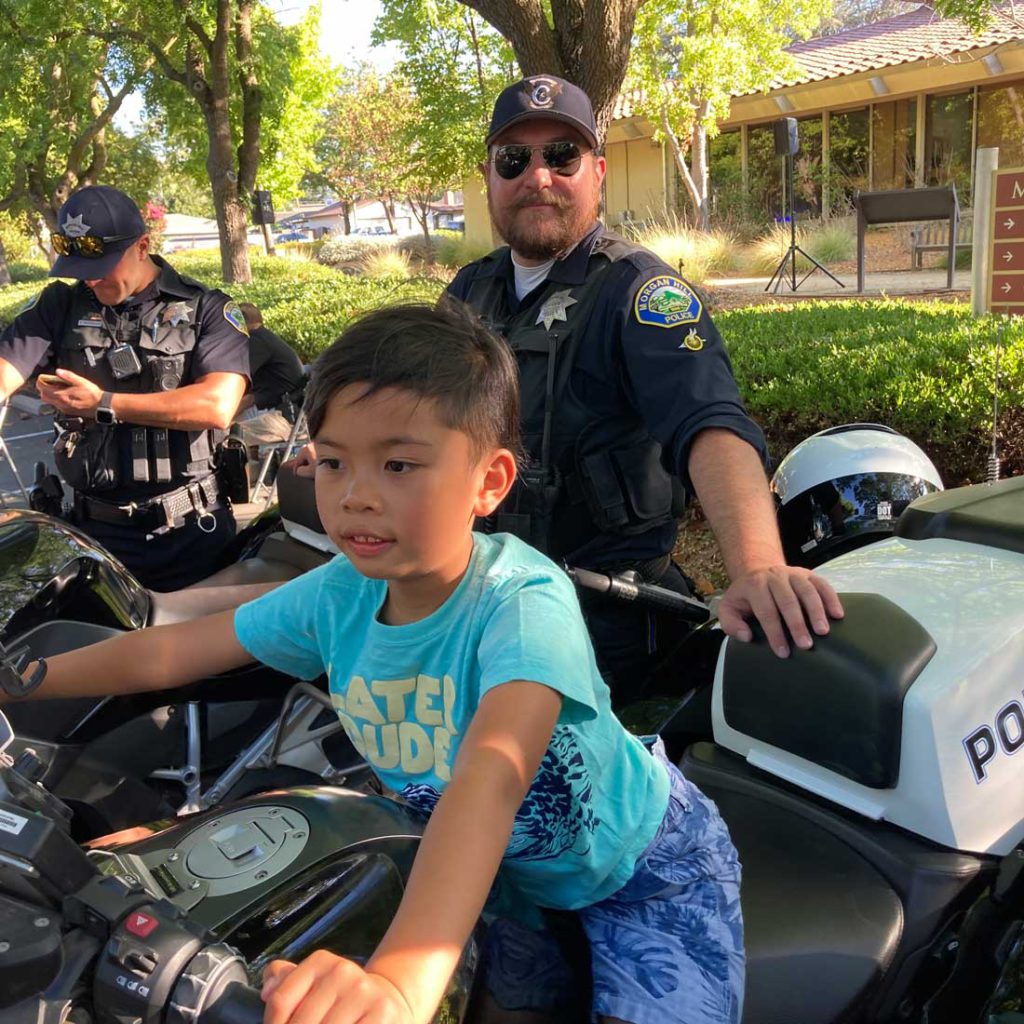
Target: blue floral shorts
<point x="667" y="947"/>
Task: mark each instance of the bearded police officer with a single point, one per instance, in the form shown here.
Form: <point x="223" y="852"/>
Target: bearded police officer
<point x="628" y="398"/>
<point x="146" y="369"/>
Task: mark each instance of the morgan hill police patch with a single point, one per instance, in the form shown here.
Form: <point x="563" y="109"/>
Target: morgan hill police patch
<point x="234" y="316"/>
<point x="665" y="301"/>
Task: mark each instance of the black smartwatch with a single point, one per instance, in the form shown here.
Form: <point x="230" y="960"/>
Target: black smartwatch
<point x="105" y="410"/>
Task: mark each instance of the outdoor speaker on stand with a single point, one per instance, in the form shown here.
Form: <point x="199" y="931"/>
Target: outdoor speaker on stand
<point x="787" y="145"/>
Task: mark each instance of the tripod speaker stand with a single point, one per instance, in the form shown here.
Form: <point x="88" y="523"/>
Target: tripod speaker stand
<point x="786" y="145"/>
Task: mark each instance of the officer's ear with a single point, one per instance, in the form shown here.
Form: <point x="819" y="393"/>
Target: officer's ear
<point x="142" y="247"/>
<point x="497" y="474"/>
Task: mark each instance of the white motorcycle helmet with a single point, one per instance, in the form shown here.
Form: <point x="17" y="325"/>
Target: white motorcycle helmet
<point x="845" y="487"/>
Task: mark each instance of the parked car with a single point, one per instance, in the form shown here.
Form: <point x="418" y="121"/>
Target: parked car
<point x="293" y="236"/>
<point x="374" y="229"/>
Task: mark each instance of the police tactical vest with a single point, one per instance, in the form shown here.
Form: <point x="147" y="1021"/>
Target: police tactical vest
<point x="588" y="474"/>
<point x="101" y="457"/>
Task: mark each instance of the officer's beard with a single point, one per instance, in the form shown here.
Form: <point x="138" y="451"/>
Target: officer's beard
<point x="546" y="239"/>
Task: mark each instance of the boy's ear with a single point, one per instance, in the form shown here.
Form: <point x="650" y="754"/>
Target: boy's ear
<point x="499" y="473"/>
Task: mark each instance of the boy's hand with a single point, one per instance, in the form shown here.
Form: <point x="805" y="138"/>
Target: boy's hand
<point x="328" y="989"/>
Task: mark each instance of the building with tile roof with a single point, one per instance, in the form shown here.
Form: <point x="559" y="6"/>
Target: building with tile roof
<point x="902" y="103"/>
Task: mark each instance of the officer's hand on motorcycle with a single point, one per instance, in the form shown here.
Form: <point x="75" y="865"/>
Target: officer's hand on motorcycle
<point x="303" y="464"/>
<point x="776" y="595"/>
<point x="328" y="989"/>
<point x="75" y="397"/>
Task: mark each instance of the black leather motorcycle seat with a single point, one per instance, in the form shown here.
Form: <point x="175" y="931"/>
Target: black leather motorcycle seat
<point x="990" y="514"/>
<point x="296" y="500"/>
<point x="871" y="658"/>
<point x="828" y="903"/>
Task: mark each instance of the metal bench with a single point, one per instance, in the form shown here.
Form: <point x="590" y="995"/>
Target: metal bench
<point x="935" y="238"/>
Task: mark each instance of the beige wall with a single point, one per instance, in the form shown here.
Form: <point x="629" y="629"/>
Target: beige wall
<point x="478" y="220"/>
<point x="636" y="179"/>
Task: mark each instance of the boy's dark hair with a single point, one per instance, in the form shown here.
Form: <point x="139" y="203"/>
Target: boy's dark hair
<point x="252" y="314"/>
<point x="440" y="352"/>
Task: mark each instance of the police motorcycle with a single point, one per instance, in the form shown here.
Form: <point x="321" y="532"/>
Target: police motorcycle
<point x="119" y="761"/>
<point x="871" y="784"/>
<point x="172" y="928"/>
<point x="868" y="784"/>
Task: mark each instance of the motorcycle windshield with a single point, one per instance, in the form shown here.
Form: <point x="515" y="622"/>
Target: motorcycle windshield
<point x="50" y="570"/>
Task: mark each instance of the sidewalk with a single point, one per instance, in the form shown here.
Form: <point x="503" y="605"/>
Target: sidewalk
<point x="818" y="285"/>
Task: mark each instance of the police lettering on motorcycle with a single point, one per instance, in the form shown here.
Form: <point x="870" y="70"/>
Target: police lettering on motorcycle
<point x="147" y="371"/>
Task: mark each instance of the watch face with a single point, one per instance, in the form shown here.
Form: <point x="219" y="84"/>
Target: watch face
<point x="105" y="416"/>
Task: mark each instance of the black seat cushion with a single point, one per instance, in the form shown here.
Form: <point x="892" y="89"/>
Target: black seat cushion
<point x="991" y="514"/>
<point x="853" y="725"/>
<point x="821" y="923"/>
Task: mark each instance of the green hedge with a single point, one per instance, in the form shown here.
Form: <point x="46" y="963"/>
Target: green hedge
<point x="926" y="369"/>
<point x="307" y="304"/>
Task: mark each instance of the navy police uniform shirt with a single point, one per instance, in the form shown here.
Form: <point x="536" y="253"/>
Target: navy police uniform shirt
<point x="649" y="346"/>
<point x="31" y="342"/>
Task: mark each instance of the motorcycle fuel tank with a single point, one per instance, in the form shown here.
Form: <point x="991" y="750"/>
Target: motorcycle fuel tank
<point x="912" y="710"/>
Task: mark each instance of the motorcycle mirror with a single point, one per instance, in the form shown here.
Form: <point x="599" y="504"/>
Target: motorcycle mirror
<point x="6" y="736"/>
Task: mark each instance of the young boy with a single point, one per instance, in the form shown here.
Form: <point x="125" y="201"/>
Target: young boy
<point x="461" y="668"/>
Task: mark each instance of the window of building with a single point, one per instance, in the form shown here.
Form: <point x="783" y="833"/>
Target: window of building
<point x="807" y="168"/>
<point x="765" y="174"/>
<point x="1001" y="121"/>
<point x="947" y="141"/>
<point x="848" y="157"/>
<point x="727" y="195"/>
<point x="894" y="129"/>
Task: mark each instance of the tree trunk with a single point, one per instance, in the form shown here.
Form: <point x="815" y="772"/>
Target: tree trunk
<point x="389" y="212"/>
<point x="230" y="210"/>
<point x="5" y="273"/>
<point x="696" y="180"/>
<point x="589" y="44"/>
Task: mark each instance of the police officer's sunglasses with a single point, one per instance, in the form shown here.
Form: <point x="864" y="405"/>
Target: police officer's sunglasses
<point x="89" y="246"/>
<point x="561" y="157"/>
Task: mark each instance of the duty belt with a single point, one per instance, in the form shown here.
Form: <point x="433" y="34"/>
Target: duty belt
<point x="161" y="513"/>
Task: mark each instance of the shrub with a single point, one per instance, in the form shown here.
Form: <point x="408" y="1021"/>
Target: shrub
<point x="699" y="254"/>
<point x="925" y="369"/>
<point x="418" y="249"/>
<point x="28" y="270"/>
<point x="831" y="243"/>
<point x="386" y="263"/>
<point x="765" y="253"/>
<point x="305" y="303"/>
<point x="344" y="249"/>
<point x="455" y="250"/>
<point x="964" y="259"/>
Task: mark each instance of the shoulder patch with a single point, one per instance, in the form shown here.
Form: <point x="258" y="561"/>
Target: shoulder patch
<point x="32" y="301"/>
<point x="665" y="301"/>
<point x="234" y="316"/>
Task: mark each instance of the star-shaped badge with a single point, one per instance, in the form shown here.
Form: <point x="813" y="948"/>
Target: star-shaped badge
<point x="554" y="308"/>
<point x="176" y="313"/>
<point x="74" y="228"/>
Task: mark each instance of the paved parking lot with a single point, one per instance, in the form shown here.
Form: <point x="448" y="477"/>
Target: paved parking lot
<point x="29" y="437"/>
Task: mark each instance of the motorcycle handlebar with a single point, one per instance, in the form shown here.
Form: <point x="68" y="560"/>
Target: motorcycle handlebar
<point x="237" y="1004"/>
<point x="647" y="594"/>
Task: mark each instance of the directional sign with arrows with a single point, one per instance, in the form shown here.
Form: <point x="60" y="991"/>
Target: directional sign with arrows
<point x="1006" y="263"/>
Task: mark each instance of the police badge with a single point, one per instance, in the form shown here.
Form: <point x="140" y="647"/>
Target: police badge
<point x="234" y="316"/>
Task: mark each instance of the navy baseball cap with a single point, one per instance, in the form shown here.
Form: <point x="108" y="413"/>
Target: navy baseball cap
<point x="544" y="97"/>
<point x="100" y="212"/>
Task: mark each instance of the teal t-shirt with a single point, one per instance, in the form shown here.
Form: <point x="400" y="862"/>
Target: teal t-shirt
<point x="406" y="695"/>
